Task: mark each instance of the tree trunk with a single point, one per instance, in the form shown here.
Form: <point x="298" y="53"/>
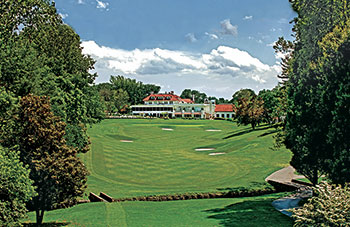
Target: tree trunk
<point x="314" y="179"/>
<point x="253" y="125"/>
<point x="39" y="216"/>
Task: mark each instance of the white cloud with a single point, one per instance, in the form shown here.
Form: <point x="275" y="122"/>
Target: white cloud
<point x="228" y="28"/>
<point x="81" y="2"/>
<point x="101" y="5"/>
<point x="248" y="18"/>
<point x="211" y="35"/>
<point x="191" y="37"/>
<point x="218" y="69"/>
<point x="63" y="15"/>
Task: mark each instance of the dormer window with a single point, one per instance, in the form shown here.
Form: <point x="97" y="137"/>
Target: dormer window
<point x="160" y="98"/>
<point x="168" y="98"/>
<point x="152" y="98"/>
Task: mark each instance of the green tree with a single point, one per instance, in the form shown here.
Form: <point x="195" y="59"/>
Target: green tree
<point x="15" y="188"/>
<point x="243" y="93"/>
<point x="120" y="99"/>
<point x="318" y="115"/>
<point x="58" y="174"/>
<point x="198" y="96"/>
<point x="41" y="55"/>
<point x="249" y="111"/>
<point x="136" y="90"/>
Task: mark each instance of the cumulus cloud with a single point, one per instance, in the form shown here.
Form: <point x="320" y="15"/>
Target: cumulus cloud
<point x="219" y="68"/>
<point x="211" y="35"/>
<point x="228" y="28"/>
<point x="81" y="2"/>
<point x="101" y="5"/>
<point x="191" y="37"/>
<point x="248" y="18"/>
<point x="222" y="60"/>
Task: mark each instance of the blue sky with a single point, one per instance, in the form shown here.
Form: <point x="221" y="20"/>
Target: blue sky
<point x="215" y="46"/>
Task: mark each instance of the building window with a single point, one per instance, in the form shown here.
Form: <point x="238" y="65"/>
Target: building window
<point x="228" y="115"/>
<point x="223" y="115"/>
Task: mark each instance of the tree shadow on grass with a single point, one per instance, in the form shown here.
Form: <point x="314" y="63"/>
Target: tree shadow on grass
<point x="250" y="213"/>
<point x="239" y="133"/>
<point x="47" y="224"/>
<point x="269" y="133"/>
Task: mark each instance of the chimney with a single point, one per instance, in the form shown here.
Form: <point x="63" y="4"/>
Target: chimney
<point x="152" y="92"/>
<point x="193" y="97"/>
<point x="172" y="92"/>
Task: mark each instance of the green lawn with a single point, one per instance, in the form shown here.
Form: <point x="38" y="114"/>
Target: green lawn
<point x="254" y="211"/>
<point x="166" y="162"/>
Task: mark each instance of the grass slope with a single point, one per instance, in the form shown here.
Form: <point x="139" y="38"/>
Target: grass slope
<point x="165" y="162"/>
<point x="254" y="211"/>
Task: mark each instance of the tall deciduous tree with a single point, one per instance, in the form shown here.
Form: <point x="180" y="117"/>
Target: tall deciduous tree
<point x="199" y="97"/>
<point x="136" y="90"/>
<point x="249" y="111"/>
<point x="317" y="123"/>
<point x="15" y="188"/>
<point x="41" y="55"/>
<point x="58" y="174"/>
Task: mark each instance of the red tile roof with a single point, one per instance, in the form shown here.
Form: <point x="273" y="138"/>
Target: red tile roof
<point x="224" y="108"/>
<point x="187" y="100"/>
<point x="165" y="97"/>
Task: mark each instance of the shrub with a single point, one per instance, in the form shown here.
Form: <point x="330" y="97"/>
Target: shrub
<point x="330" y="206"/>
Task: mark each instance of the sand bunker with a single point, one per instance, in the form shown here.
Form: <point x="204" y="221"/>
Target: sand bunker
<point x="167" y="129"/>
<point x="217" y="153"/>
<point x="126" y="141"/>
<point x="213" y="130"/>
<point x="204" y="149"/>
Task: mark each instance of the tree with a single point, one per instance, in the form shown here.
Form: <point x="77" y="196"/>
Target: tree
<point x="249" y="111"/>
<point x="120" y="99"/>
<point x="198" y="96"/>
<point x="243" y="93"/>
<point x="15" y="188"/>
<point x="330" y="206"/>
<point x="136" y="90"/>
<point x="274" y="104"/>
<point x="58" y="174"/>
<point x="41" y="55"/>
<point x="318" y="115"/>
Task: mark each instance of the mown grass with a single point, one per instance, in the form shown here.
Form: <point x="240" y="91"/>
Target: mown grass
<point x="165" y="162"/>
<point x="253" y="211"/>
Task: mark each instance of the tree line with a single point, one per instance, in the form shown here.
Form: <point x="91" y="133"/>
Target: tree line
<point x="316" y="75"/>
<point x="46" y="102"/>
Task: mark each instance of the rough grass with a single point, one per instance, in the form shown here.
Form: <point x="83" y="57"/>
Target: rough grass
<point x="254" y="211"/>
<point x="165" y="162"/>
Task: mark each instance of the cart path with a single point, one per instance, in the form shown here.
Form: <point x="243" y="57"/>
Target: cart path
<point x="284" y="204"/>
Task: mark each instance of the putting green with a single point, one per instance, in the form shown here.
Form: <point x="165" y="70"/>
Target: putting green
<point x="165" y="162"/>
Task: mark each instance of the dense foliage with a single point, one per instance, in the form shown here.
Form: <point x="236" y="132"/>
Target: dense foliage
<point x="318" y="119"/>
<point x="136" y="90"/>
<point x="41" y="55"/>
<point x="120" y="93"/>
<point x="15" y="188"/>
<point x="58" y="174"/>
<point x="330" y="206"/>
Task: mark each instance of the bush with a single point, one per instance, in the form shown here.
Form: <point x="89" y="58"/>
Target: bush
<point x="330" y="206"/>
